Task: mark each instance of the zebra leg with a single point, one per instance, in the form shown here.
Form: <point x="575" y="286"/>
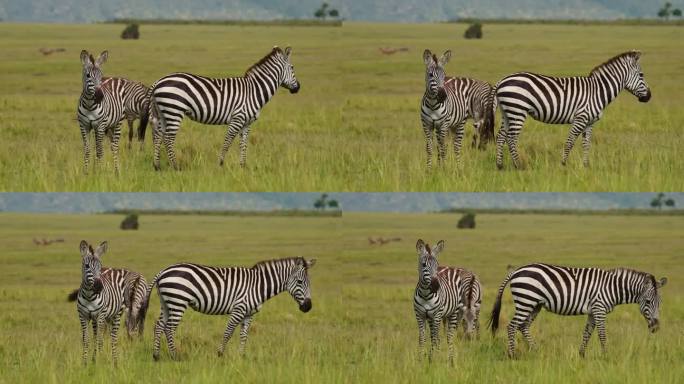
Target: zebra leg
<point x="84" y="336"/>
<point x="427" y="130"/>
<point x="586" y="145"/>
<point x="233" y="321"/>
<point x="170" y="141"/>
<point x="525" y="328"/>
<point x="130" y="120"/>
<point x="114" y="333"/>
<point x="421" y="336"/>
<point x="588" y="330"/>
<point x="157" y="136"/>
<point x="477" y="323"/>
<point x="459" y="131"/>
<point x="244" y="135"/>
<point x="451" y="327"/>
<point x="86" y="148"/>
<point x="159" y="326"/>
<point x="576" y="128"/>
<point x="434" y="335"/>
<point x="172" y="320"/>
<point x="476" y="127"/>
<point x="501" y="138"/>
<point x="234" y="127"/>
<point x="601" y="326"/>
<point x="243" y="333"/>
<point x="99" y="139"/>
<point x="441" y="145"/>
<point x="115" y="146"/>
<point x="512" y="139"/>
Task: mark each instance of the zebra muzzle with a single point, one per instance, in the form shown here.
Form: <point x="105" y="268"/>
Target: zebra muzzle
<point x="645" y="98"/>
<point x="295" y="89"/>
<point x="654" y="326"/>
<point x="305" y="306"/>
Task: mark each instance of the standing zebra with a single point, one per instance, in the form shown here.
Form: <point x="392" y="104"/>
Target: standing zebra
<point x="448" y="102"/>
<point x="233" y="291"/>
<point x="101" y="298"/>
<point x="235" y="101"/>
<point x="576" y="291"/>
<point x="134" y="297"/>
<point x="102" y="106"/>
<point x="578" y="100"/>
<point x="443" y="293"/>
<point x="136" y="106"/>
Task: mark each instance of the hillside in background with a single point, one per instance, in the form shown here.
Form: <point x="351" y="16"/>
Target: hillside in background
<point x="391" y="202"/>
<point x="395" y="10"/>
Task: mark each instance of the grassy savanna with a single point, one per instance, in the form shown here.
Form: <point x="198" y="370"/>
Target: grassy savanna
<point x="355" y="124"/>
<point x="361" y="327"/>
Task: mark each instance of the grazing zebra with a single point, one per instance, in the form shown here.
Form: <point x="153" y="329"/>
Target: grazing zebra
<point x="443" y="293"/>
<point x="102" y="106"/>
<point x="100" y="299"/>
<point x="136" y="106"/>
<point x="448" y="102"/>
<point x="235" y="101"/>
<point x="578" y="101"/>
<point x="576" y="291"/>
<point x="233" y="291"/>
<point x="134" y="296"/>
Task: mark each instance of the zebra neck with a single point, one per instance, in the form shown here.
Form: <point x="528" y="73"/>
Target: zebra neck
<point x="431" y="100"/>
<point x="609" y="80"/>
<point x="88" y="292"/>
<point x="625" y="287"/>
<point x="87" y="100"/>
<point x="263" y="81"/>
<point x="272" y="279"/>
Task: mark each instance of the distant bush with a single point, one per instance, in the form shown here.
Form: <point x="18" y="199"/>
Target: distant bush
<point x="466" y="221"/>
<point x="474" y="31"/>
<point x="130" y="222"/>
<point x="131" y="32"/>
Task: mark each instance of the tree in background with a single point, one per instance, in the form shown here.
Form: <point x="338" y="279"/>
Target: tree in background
<point x="324" y="11"/>
<point x="660" y="200"/>
<point x="323" y="202"/>
<point x="666" y="11"/>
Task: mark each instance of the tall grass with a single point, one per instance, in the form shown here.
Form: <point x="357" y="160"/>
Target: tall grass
<point x="355" y="124"/>
<point x="361" y="328"/>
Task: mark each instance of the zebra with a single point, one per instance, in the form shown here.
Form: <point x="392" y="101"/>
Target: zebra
<point x="448" y="102"/>
<point x="134" y="296"/>
<point x="100" y="299"/>
<point x="136" y="106"/>
<point x="576" y="291"/>
<point x="578" y="101"/>
<point x="234" y="101"/>
<point x="102" y="106"/>
<point x="234" y="291"/>
<point x="443" y="293"/>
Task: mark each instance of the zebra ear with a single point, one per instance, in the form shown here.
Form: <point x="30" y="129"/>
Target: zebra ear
<point x="438" y="248"/>
<point x="310" y="263"/>
<point x="101" y="249"/>
<point x="287" y="52"/>
<point x="446" y="56"/>
<point x="85" y="57"/>
<point x="84" y="248"/>
<point x="662" y="282"/>
<point x="636" y="54"/>
<point x="102" y="58"/>
<point x="427" y="57"/>
<point x="420" y="246"/>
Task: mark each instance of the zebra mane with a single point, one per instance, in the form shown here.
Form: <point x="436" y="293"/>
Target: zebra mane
<point x="630" y="271"/>
<point x="274" y="51"/>
<point x="287" y="260"/>
<point x="616" y="58"/>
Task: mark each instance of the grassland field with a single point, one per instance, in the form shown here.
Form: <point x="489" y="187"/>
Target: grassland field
<point x="361" y="328"/>
<point x="355" y="124"/>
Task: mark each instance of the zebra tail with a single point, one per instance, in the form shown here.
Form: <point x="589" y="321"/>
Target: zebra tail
<point x="493" y="322"/>
<point x="73" y="295"/>
<point x="143" y="123"/>
<point x="131" y="321"/>
<point x="487" y="133"/>
<point x="146" y="301"/>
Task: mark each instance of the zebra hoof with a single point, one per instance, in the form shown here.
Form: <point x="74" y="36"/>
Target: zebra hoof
<point x="499" y="166"/>
<point x="155" y="356"/>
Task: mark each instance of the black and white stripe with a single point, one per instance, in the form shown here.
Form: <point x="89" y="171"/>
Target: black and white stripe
<point x="235" y="101"/>
<point x="136" y="106"/>
<point x="233" y="291"/>
<point x="578" y="101"/>
<point x="444" y="294"/>
<point x="101" y="298"/>
<point x="448" y="102"/>
<point x="576" y="291"/>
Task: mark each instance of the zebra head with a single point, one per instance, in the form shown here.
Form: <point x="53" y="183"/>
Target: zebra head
<point x="434" y="74"/>
<point x="298" y="283"/>
<point x="649" y="302"/>
<point x="427" y="264"/>
<point x="634" y="81"/>
<point x="91" y="266"/>
<point x="288" y="79"/>
<point x="92" y="73"/>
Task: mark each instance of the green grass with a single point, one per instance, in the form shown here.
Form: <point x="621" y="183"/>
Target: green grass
<point x="361" y="327"/>
<point x="355" y="124"/>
